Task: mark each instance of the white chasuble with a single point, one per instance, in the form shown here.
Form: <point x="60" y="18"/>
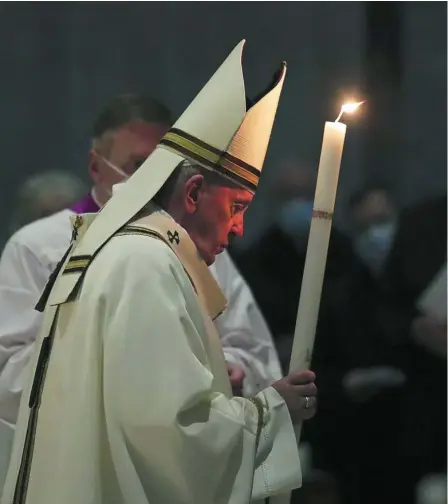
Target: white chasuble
<point x="136" y="406"/>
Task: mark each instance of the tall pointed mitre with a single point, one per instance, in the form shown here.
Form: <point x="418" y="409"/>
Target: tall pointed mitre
<point x="216" y="131"/>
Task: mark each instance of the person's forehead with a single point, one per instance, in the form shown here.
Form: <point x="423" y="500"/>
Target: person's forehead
<point x="233" y="193"/>
<point x="138" y="135"/>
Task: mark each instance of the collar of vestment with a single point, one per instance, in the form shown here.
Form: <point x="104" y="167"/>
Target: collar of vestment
<point x="175" y="236"/>
<point x="156" y="225"/>
<point x="85" y="205"/>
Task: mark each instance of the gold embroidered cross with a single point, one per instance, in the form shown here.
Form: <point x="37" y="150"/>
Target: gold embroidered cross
<point x="173" y="237"/>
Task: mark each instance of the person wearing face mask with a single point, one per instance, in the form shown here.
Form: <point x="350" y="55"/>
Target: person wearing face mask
<point x="295" y="219"/>
<point x="373" y="214"/>
<point x="374" y="244"/>
<point x="125" y="133"/>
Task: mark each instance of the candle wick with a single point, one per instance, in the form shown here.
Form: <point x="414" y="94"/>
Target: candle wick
<point x="340" y="115"/>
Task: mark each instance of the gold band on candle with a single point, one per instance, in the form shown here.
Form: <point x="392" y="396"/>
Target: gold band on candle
<point x="320" y="214"/>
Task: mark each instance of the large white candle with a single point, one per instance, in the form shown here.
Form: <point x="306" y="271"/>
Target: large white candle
<point x="318" y="240"/>
<point x="316" y="254"/>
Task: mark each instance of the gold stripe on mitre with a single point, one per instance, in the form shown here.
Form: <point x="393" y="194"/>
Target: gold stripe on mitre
<point x="212" y="158"/>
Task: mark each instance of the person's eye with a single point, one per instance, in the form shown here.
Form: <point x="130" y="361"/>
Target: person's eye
<point x="237" y="208"/>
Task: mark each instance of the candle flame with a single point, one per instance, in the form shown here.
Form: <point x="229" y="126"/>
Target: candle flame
<point x="349" y="108"/>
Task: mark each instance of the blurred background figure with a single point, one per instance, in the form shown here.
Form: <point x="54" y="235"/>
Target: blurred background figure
<point x="432" y="490"/>
<point x="416" y="342"/>
<point x="44" y="194"/>
<point x="293" y="195"/>
<point x="373" y="213"/>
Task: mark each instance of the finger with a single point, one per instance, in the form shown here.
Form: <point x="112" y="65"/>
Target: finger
<point x="310" y="410"/>
<point x="301" y="377"/>
<point x="309" y="390"/>
<point x="236" y="379"/>
<point x="302" y="413"/>
<point x="235" y="372"/>
<point x="236" y="383"/>
<point x="307" y="414"/>
<point x="310" y="404"/>
<point x="237" y="375"/>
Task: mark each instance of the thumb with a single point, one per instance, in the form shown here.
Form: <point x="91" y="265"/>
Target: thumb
<point x="236" y="373"/>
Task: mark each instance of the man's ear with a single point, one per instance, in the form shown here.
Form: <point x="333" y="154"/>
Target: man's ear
<point x="194" y="187"/>
<point x="93" y="165"/>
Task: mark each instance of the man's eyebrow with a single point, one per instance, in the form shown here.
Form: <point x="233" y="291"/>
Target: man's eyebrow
<point x="244" y="200"/>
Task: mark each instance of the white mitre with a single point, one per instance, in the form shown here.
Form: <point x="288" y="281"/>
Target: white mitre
<point x="215" y="131"/>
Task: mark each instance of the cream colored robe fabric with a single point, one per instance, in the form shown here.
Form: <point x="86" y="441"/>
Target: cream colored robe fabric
<point x="26" y="263"/>
<point x="137" y="406"/>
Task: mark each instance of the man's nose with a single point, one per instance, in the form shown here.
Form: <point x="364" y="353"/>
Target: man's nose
<point x="238" y="227"/>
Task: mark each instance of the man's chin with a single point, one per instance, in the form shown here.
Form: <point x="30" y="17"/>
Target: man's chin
<point x="210" y="257"/>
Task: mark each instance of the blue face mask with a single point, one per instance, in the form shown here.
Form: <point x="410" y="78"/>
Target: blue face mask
<point x="374" y="244"/>
<point x="295" y="217"/>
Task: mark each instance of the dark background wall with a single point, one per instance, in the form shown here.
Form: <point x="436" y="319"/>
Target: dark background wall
<point x="61" y="61"/>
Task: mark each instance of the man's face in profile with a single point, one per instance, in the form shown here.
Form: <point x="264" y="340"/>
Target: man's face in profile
<point x="219" y="214"/>
<point x="127" y="149"/>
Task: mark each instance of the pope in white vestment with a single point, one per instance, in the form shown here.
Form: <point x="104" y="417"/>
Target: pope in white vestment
<point x="32" y="254"/>
<point x="128" y="399"/>
<point x="28" y="260"/>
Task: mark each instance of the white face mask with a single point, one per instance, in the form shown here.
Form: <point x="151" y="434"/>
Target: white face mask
<point x="295" y="217"/>
<point x="374" y="244"/>
<point x="116" y="169"/>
